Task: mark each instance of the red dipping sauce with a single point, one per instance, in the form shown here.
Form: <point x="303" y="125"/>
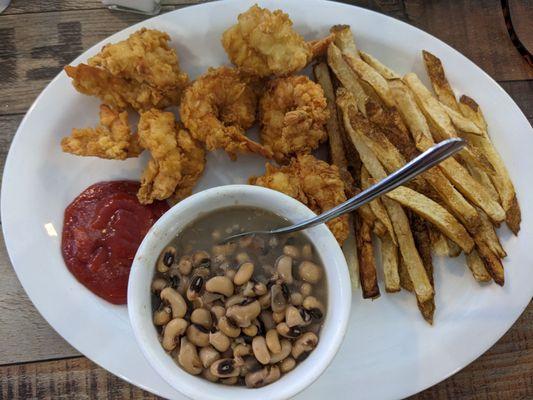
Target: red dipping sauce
<point x="102" y="230"/>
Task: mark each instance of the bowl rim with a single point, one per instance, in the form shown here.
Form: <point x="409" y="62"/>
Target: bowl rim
<point x="139" y="297"/>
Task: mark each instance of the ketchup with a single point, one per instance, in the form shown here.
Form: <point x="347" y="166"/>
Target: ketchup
<point x="102" y="230"/>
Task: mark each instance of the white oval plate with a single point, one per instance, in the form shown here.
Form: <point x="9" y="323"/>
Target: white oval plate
<point x="389" y="351"/>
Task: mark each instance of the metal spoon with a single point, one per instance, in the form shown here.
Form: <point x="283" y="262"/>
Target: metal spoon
<point x="416" y="166"/>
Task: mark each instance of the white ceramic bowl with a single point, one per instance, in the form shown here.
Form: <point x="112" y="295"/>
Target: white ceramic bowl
<point x="142" y="271"/>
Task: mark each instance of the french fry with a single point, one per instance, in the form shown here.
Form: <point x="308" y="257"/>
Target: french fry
<point x="489" y="236"/>
<point x="377" y="207"/>
<point x="454" y="249"/>
<point x="338" y="158"/>
<point x="492" y="263"/>
<point x="501" y="179"/>
<point x="367" y="263"/>
<point x="346" y="76"/>
<point x="434" y="213"/>
<point x="422" y="287"/>
<point x="439" y="121"/>
<point x="438" y="79"/>
<point x="389" y="259"/>
<point x="454" y="171"/>
<point x="405" y="281"/>
<point x="343" y="39"/>
<point x="382" y="69"/>
<point x="477" y="266"/>
<point x="483" y="178"/>
<point x="420" y="230"/>
<point x="439" y="243"/>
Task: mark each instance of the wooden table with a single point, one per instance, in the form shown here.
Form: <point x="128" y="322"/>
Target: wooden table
<point x="38" y="38"/>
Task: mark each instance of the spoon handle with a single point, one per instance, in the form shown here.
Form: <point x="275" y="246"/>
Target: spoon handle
<point x="416" y="166"/>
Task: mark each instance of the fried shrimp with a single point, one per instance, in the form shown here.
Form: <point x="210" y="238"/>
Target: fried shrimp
<point x="177" y="161"/>
<point x="313" y="182"/>
<point x="111" y="139"/>
<point x="217" y="109"/>
<point x="293" y="114"/>
<point x="141" y="71"/>
<point x="263" y="43"/>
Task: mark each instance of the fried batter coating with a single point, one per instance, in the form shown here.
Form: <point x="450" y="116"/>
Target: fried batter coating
<point x="217" y="109"/>
<point x="141" y="71"/>
<point x="157" y="133"/>
<point x="111" y="139"/>
<point x="293" y="114"/>
<point x="192" y="166"/>
<point x="264" y="43"/>
<point x="313" y="182"/>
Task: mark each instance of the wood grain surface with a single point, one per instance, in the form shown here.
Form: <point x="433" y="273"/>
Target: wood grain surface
<point x="38" y="38"/>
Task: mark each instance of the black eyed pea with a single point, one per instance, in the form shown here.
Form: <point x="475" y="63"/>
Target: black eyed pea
<point x="309" y="272"/>
<point x="293" y="317"/>
<point x="225" y="368"/>
<point x="304" y="344"/>
<point x="159" y="284"/>
<point x="296" y="299"/>
<point x="175" y="300"/>
<point x="202" y="317"/>
<point x="195" y="288"/>
<point x="244" y="273"/>
<point x="162" y="315"/>
<point x="208" y="355"/>
<point x="220" y="284"/>
<point x="188" y="357"/>
<point x="230" y="273"/>
<point x="242" y="258"/>
<point x="291" y="251"/>
<point x="307" y="252"/>
<point x="278" y="316"/>
<point x="228" y="327"/>
<point x="285" y="351"/>
<point x="265" y="301"/>
<point x="245" y="242"/>
<point x="242" y="350"/>
<point x="262" y="377"/>
<point x="172" y="331"/>
<point x="306" y="289"/>
<point x="201" y="258"/>
<point x="224" y="249"/>
<point x="284" y="268"/>
<point x="287" y="365"/>
<point x="291" y="333"/>
<point x="235" y="299"/>
<point x="272" y="341"/>
<point x="228" y="353"/>
<point x="260" y="289"/>
<point x="250" y="330"/>
<point x="229" y="381"/>
<point x="166" y="259"/>
<point x="248" y="289"/>
<point x="260" y="350"/>
<point x="219" y="341"/>
<point x="278" y="300"/>
<point x="185" y="265"/>
<point x="312" y="303"/>
<point x="208" y="375"/>
<point x="218" y="311"/>
<point x="198" y="335"/>
<point x="267" y="320"/>
<point x="243" y="314"/>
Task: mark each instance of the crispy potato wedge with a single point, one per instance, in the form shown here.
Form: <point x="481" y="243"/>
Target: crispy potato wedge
<point x="382" y="69"/>
<point x="438" y="79"/>
<point x="389" y="259"/>
<point x="434" y="213"/>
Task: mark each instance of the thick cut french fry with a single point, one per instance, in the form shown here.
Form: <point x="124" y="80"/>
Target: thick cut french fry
<point x="477" y="266"/>
<point x="434" y="213"/>
<point x="487" y="232"/>
<point x="346" y="76"/>
<point x="420" y="230"/>
<point x="382" y="69"/>
<point x="492" y="263"/>
<point x="338" y="158"/>
<point x="377" y="207"/>
<point x="484" y="178"/>
<point x="501" y="178"/>
<point x="343" y="39"/>
<point x="389" y="259"/>
<point x="417" y="273"/>
<point x="454" y="249"/>
<point x="367" y="262"/>
<point x="405" y="281"/>
<point x="438" y="79"/>
<point x="440" y="122"/>
<point x="439" y="243"/>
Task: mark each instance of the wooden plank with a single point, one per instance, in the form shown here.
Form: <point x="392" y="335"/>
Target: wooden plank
<point x="522" y="16"/>
<point x="476" y="29"/>
<point x="522" y="93"/>
<point x="25" y="6"/>
<point x="26" y="335"/>
<point x="510" y="363"/>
